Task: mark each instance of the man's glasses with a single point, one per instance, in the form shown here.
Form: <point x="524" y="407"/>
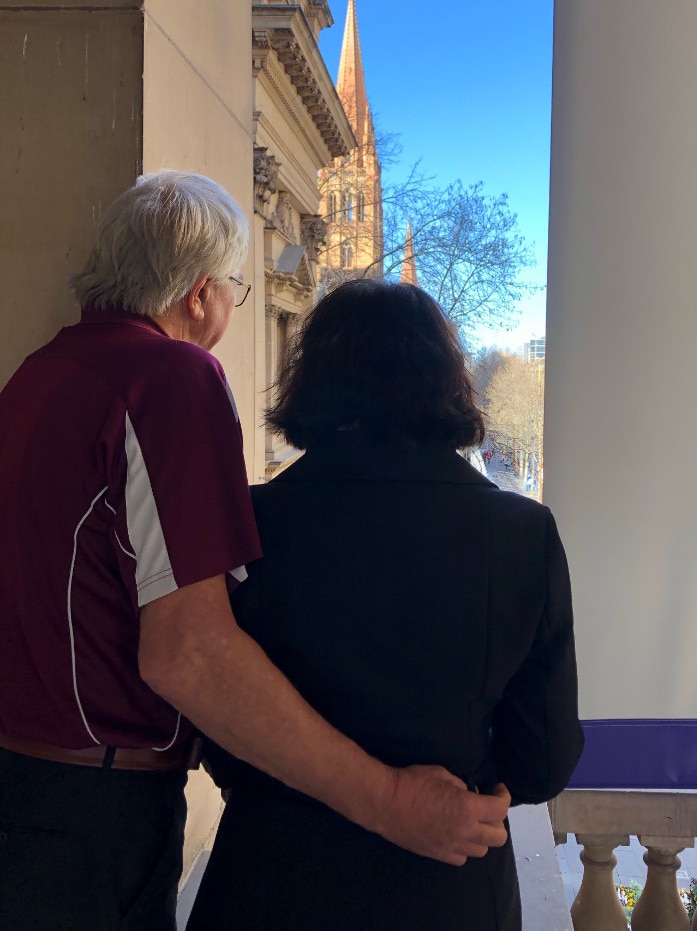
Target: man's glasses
<point x="247" y="288"/>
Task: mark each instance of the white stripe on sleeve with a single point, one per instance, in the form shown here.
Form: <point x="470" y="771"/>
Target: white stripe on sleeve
<point x="154" y="575"/>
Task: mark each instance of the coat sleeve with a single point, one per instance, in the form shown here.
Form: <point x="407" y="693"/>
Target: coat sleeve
<point x="537" y="737"/>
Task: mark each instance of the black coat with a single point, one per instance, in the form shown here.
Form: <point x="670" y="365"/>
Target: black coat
<point x="427" y="615"/>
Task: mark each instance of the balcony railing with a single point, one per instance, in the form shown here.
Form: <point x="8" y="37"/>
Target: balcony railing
<point x="603" y="820"/>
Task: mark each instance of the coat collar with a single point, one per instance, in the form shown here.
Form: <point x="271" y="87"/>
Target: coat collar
<point x="382" y="463"/>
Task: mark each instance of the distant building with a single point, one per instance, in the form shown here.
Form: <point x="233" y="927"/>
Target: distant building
<point x="534" y="350"/>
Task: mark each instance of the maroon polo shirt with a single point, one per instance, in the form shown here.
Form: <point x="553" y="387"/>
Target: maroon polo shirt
<point x="121" y="479"/>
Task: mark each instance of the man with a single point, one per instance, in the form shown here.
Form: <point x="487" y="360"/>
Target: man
<point x="124" y="520"/>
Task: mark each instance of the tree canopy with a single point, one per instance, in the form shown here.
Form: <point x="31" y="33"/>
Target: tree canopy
<point x="514" y="404"/>
<point x="467" y="248"/>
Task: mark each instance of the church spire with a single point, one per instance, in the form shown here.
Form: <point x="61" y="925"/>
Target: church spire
<point x="351" y="81"/>
<point x="351" y="188"/>
<point x="408" y="275"/>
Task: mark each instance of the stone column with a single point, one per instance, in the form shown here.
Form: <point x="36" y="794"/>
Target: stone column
<point x="273" y="313"/>
<point x="71" y="112"/>
<point x="620" y="440"/>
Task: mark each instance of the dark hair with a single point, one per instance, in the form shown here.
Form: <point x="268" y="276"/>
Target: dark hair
<point x="380" y="361"/>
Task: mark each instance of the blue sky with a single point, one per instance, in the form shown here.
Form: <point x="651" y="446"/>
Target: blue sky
<point x="469" y="91"/>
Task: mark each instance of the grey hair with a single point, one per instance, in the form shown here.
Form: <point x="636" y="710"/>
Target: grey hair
<point x="156" y="238"/>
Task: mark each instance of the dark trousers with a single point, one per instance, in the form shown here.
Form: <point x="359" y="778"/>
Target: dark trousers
<point x="88" y="849"/>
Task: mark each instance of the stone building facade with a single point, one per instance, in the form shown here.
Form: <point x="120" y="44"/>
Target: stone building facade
<point x="298" y="124"/>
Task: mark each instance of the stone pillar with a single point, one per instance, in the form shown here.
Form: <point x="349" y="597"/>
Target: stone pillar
<point x="273" y="313"/>
<point x="622" y="347"/>
<point x="71" y="112"/>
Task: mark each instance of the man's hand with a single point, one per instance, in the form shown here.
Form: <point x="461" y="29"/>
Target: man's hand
<point x="432" y="813"/>
<point x="194" y="655"/>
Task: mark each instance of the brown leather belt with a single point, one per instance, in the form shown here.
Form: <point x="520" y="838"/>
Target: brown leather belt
<point x="186" y="756"/>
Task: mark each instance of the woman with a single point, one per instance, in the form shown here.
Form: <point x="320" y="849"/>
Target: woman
<point x="420" y="609"/>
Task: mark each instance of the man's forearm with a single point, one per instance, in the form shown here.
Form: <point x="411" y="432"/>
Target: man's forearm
<point x="237" y="697"/>
<point x="195" y="656"/>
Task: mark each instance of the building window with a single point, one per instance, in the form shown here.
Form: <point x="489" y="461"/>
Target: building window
<point x="360" y="207"/>
<point x="331" y="204"/>
<point x="346" y="254"/>
<point x="347" y="206"/>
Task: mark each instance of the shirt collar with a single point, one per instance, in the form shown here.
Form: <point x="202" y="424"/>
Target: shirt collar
<point x="111" y="315"/>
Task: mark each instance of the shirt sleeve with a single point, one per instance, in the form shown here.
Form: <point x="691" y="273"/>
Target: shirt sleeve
<point x="536" y="734"/>
<point x="188" y="508"/>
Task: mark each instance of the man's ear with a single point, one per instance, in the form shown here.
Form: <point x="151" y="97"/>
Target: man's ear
<point x="197" y="297"/>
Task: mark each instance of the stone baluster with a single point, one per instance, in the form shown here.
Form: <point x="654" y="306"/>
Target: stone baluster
<point x="659" y="906"/>
<point x="597" y="906"/>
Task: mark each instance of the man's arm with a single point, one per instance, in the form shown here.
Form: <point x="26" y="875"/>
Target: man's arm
<point x="194" y="655"/>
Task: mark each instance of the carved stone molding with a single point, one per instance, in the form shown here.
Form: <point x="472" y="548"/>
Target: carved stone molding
<point x="265" y="175"/>
<point x="273" y="311"/>
<point x="318" y="15"/>
<point x="313" y="233"/>
<point x="283" y="216"/>
<point x="289" y="53"/>
<point x="260" y="37"/>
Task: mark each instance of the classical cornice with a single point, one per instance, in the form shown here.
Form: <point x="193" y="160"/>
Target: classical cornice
<point x="283" y="30"/>
<point x="319" y="15"/>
